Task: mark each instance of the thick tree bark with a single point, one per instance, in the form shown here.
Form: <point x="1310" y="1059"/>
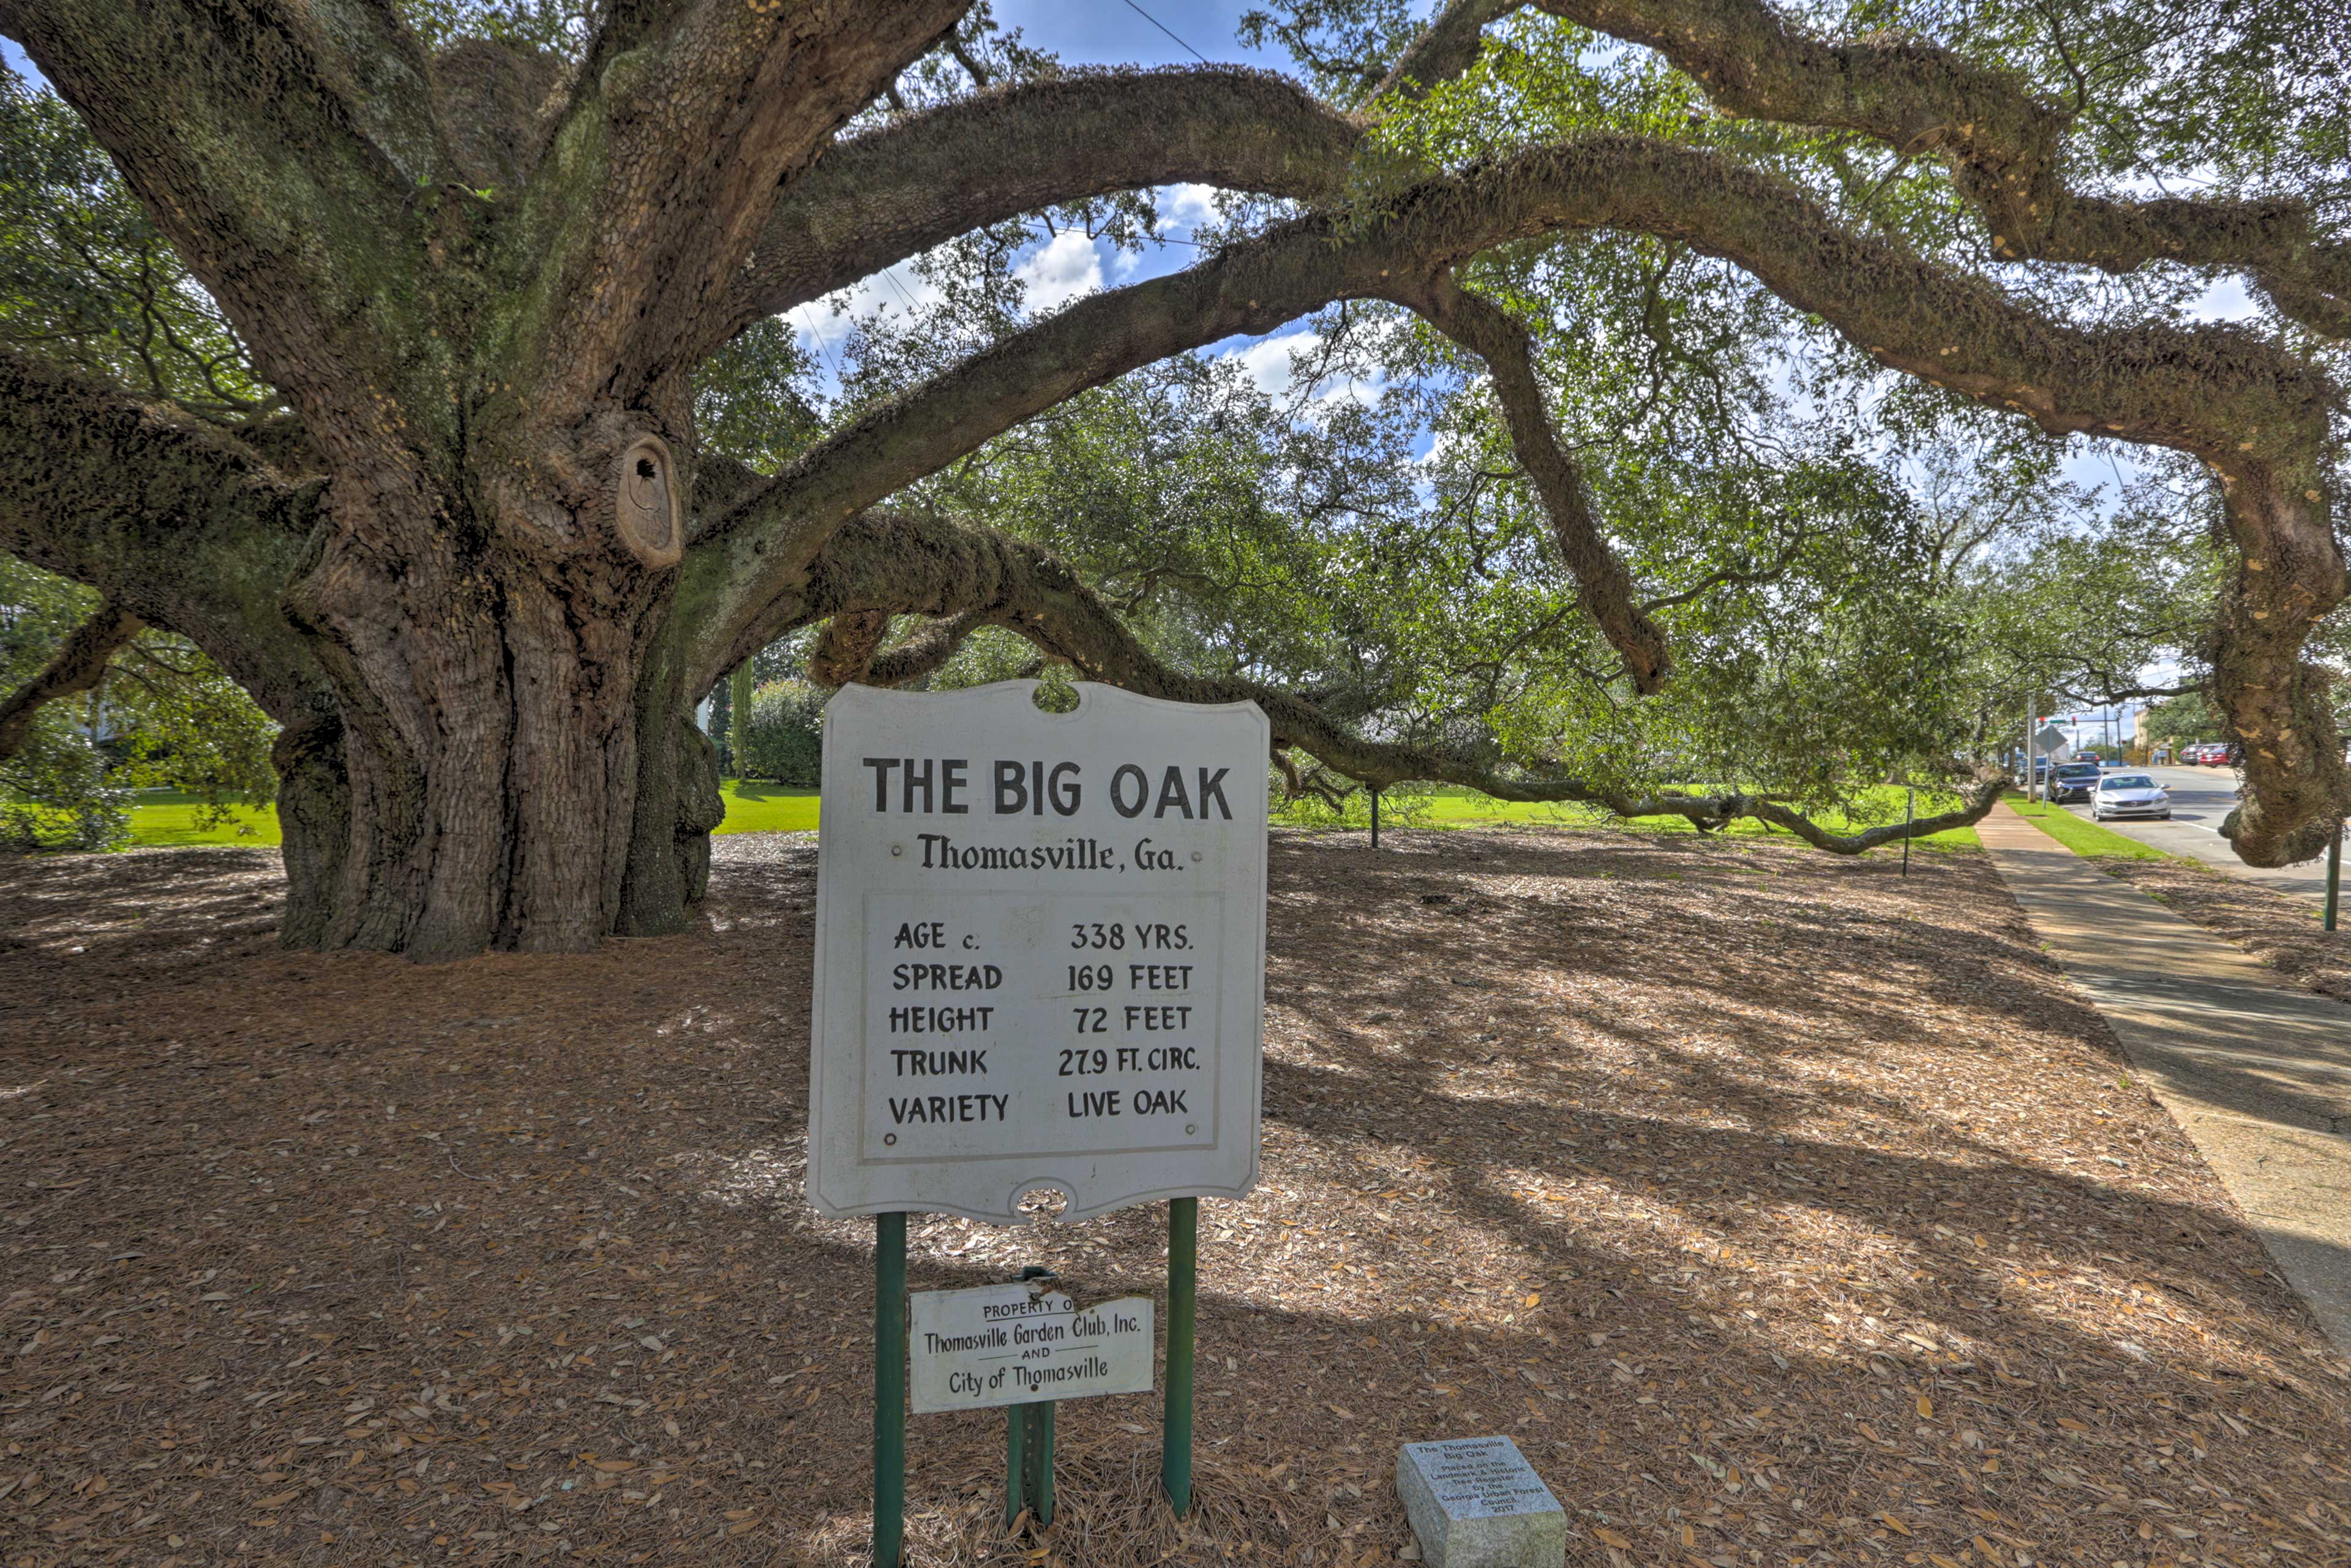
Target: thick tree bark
<point x="460" y="626"/>
<point x="490" y="746"/>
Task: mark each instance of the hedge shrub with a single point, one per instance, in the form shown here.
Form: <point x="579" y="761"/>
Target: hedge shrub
<point x="784" y="740"/>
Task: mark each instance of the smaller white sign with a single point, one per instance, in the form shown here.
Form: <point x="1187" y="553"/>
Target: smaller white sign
<point x="1018" y="1343"/>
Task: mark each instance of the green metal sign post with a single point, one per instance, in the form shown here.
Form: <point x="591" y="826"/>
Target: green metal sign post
<point x="1028" y="1462"/>
<point x="1027" y="1429"/>
<point x="1040" y="1455"/>
<point x="1016" y="1468"/>
<point x="888" y="1389"/>
<point x="1183" y="1301"/>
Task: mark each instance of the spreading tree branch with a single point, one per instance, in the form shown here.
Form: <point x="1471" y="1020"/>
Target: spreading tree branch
<point x="897" y="191"/>
<point x="278" y="144"/>
<point x="689" y="117"/>
<point x="923" y="654"/>
<point x="2256" y="415"/>
<point x="1445" y="48"/>
<point x="78" y="664"/>
<point x="2003" y="141"/>
<point x="847" y="646"/>
<point x="173" y="520"/>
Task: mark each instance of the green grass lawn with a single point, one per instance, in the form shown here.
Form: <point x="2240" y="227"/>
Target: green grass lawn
<point x="1458" y="808"/>
<point x="167" y="819"/>
<point x="766" y="808"/>
<point x="2082" y="836"/>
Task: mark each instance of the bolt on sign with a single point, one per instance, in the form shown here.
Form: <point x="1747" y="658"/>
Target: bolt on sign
<point x="1040" y="952"/>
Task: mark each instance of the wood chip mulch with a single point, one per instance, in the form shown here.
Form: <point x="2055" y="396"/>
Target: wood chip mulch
<point x="2276" y="928"/>
<point x="1782" y="1210"/>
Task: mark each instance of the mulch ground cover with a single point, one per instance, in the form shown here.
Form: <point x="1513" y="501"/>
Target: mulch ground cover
<point x="1782" y="1210"/>
<point x="2276" y="928"/>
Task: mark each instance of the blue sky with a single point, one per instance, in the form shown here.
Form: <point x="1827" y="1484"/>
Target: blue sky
<point x="1108" y="32"/>
<point x="1095" y="32"/>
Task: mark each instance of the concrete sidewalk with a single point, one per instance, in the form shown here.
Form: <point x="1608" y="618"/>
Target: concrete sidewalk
<point x="2257" y="1072"/>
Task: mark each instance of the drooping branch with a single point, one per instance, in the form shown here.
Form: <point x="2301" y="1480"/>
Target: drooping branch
<point x="886" y="563"/>
<point x="78" y="664"/>
<point x="2194" y="389"/>
<point x="1604" y="587"/>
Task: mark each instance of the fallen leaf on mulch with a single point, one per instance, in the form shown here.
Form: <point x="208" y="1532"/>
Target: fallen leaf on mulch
<point x="1731" y="1152"/>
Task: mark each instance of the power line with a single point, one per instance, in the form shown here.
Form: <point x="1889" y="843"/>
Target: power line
<point x="1166" y="29"/>
<point x="900" y="288"/>
<point x="820" y="349"/>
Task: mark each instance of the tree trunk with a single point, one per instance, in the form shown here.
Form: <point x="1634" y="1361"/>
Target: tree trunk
<point x="510" y="747"/>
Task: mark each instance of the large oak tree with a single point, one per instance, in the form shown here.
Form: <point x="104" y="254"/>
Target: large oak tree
<point x="482" y="569"/>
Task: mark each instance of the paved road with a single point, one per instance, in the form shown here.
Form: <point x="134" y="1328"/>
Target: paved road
<point x="2201" y="798"/>
<point x="2257" y="1072"/>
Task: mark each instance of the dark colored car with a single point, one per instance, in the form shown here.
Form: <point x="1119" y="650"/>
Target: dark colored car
<point x="2074" y="781"/>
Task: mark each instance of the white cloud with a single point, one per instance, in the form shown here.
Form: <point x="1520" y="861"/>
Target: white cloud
<point x="2225" y="300"/>
<point x="1270" y="360"/>
<point x="1273" y="363"/>
<point x="899" y="293"/>
<point x="1060" y="270"/>
<point x="1189" y="205"/>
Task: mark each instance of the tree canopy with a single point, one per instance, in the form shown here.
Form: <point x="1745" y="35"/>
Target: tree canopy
<point x="1678" y="427"/>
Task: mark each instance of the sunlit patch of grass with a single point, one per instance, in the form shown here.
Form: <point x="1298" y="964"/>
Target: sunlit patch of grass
<point x="167" y="819"/>
<point x="1459" y="807"/>
<point x="755" y="808"/>
<point x="170" y="820"/>
<point x="2084" y="837"/>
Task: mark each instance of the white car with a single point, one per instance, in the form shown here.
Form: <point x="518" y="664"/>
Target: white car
<point x="2130" y="795"/>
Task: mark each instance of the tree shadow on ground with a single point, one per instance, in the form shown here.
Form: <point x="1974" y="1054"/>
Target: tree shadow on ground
<point x="378" y="1252"/>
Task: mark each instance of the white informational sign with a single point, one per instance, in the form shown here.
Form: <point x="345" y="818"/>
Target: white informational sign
<point x="1039" y="952"/>
<point x="1016" y="1345"/>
